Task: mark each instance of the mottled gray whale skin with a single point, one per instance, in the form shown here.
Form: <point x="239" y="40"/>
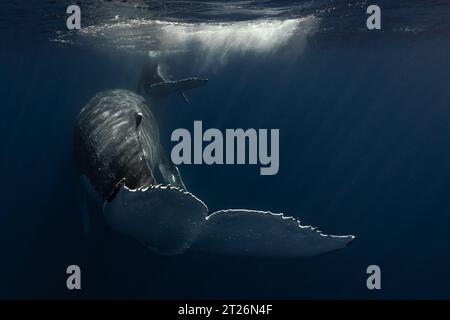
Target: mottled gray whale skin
<point x="116" y="140"/>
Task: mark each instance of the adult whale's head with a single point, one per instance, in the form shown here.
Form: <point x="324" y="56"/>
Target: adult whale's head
<point x="117" y="149"/>
<point x="109" y="145"/>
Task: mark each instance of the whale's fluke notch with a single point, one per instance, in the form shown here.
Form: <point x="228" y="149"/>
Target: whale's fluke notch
<point x="241" y="232"/>
<point x="166" y="88"/>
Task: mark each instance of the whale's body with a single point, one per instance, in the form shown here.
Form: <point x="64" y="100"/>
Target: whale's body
<point x="117" y="148"/>
<point x="110" y="144"/>
<point x="116" y="139"/>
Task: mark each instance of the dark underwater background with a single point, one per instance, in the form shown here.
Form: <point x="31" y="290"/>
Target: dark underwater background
<point x="364" y="119"/>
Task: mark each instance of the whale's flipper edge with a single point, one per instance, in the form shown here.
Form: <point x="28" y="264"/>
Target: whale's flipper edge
<point x="241" y="232"/>
<point x="166" y="88"/>
<point x="165" y="219"/>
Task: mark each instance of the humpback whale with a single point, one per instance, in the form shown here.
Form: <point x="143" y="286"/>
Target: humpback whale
<point x="155" y="84"/>
<point x="117" y="149"/>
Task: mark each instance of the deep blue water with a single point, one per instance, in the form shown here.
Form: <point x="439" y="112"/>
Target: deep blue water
<point x="364" y="125"/>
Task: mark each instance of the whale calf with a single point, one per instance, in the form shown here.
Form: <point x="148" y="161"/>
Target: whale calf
<point x="155" y="84"/>
<point x="117" y="149"/>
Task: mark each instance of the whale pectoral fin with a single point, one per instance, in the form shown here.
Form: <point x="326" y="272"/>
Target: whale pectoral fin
<point x="86" y="214"/>
<point x="169" y="87"/>
<point x="185" y="98"/>
<point x="264" y="234"/>
<point x="90" y="202"/>
<point x="164" y="218"/>
<point x="169" y="171"/>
